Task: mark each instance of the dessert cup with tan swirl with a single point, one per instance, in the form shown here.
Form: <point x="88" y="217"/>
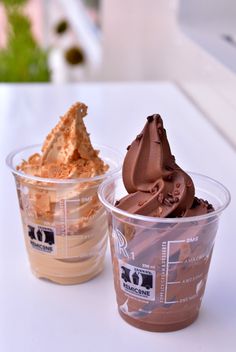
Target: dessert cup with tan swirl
<point x="65" y="226"/>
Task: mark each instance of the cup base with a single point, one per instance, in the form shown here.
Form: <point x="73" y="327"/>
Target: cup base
<point x="158" y="327"/>
<point x="67" y="280"/>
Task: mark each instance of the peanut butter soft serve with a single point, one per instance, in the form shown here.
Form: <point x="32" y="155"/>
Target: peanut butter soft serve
<point x="69" y="211"/>
<point x="67" y="151"/>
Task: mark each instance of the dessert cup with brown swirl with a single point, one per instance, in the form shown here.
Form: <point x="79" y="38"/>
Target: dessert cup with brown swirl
<point x="160" y="265"/>
<point x="65" y="225"/>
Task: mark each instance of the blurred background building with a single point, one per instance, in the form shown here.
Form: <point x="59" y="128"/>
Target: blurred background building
<point x="192" y="43"/>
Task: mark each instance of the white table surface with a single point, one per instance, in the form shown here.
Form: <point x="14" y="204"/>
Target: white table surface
<point x="40" y="316"/>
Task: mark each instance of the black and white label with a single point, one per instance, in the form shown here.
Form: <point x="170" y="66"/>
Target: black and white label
<point x="41" y="238"/>
<point x="137" y="282"/>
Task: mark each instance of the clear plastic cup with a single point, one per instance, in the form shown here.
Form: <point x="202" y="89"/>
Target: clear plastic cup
<point x="160" y="265"/>
<point x="64" y="223"/>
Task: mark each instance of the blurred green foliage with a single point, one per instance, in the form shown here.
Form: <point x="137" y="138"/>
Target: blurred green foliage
<point x="13" y="2"/>
<point x="23" y="60"/>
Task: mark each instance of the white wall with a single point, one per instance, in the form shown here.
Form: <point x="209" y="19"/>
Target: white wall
<point x="142" y="40"/>
<point x="216" y="12"/>
<point x="135" y="39"/>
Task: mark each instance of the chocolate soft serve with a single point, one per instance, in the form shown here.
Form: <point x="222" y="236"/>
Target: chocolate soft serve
<point x="157" y="186"/>
<point x="160" y="265"/>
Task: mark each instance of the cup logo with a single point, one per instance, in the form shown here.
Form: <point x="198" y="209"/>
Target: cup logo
<point x="136" y="281"/>
<point x="42" y="238"/>
<point x="121" y="244"/>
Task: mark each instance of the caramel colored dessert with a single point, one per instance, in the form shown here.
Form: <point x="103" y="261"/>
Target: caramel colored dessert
<point x="67" y="151"/>
<point x="64" y="222"/>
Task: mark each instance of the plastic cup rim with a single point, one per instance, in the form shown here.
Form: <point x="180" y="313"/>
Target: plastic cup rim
<point x="11" y="155"/>
<point x="157" y="220"/>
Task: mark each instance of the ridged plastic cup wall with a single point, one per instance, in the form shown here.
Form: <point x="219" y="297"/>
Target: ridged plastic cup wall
<point x="160" y="265"/>
<point x="65" y="224"/>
